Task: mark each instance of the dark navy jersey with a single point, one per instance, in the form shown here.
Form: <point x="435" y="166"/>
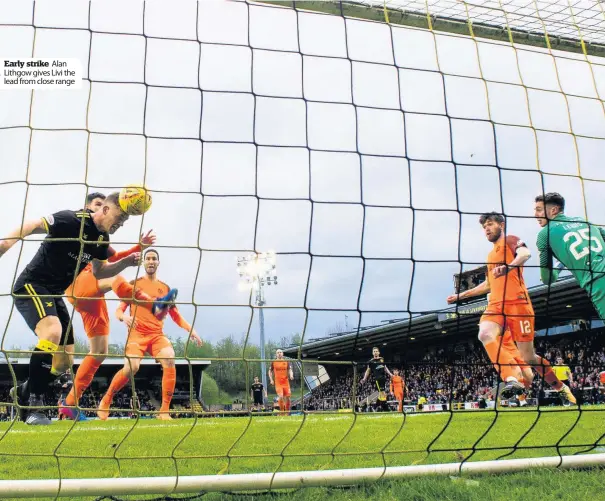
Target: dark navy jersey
<point x="257" y="389"/>
<point x="57" y="263"/>
<point x="377" y="367"/>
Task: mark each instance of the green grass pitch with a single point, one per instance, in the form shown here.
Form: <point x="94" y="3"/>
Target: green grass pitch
<point x="147" y="447"/>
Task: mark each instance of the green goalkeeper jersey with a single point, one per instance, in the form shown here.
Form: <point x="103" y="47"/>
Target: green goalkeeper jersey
<point x="577" y="244"/>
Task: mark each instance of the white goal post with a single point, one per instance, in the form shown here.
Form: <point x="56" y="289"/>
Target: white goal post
<point x="379" y="76"/>
<point x="14" y="489"/>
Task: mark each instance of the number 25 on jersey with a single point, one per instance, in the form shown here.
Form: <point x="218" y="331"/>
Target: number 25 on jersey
<point x="582" y="243"/>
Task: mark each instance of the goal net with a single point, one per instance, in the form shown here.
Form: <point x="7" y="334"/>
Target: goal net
<point x="318" y="171"/>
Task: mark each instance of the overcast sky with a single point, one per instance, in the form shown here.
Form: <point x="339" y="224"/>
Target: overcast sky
<point x="280" y="194"/>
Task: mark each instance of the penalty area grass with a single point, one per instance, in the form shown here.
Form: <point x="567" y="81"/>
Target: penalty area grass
<point x="258" y="444"/>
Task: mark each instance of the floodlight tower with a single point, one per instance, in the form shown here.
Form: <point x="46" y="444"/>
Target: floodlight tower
<point x="257" y="271"/>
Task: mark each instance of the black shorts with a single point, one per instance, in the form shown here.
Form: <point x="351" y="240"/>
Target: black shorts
<point x="381" y="384"/>
<point x="34" y="306"/>
<point x="258" y="400"/>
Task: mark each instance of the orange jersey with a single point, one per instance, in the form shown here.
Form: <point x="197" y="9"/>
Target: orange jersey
<point x="280" y="369"/>
<point x="511" y="286"/>
<point x="146" y="322"/>
<point x="397" y="384"/>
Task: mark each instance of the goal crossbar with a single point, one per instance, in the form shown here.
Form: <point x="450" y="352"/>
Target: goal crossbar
<point x="12" y="489"/>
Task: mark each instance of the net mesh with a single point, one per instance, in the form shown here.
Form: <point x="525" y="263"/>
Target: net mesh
<point x="363" y="152"/>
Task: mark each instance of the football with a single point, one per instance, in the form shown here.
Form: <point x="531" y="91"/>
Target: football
<point x="135" y="200"/>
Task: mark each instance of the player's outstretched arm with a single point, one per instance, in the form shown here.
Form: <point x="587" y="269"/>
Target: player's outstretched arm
<point x="115" y="256"/>
<point x="481" y="290"/>
<point x="183" y="324"/>
<point x="103" y="269"/>
<point x="33" y="227"/>
<point x="147" y="240"/>
<point x="270" y="373"/>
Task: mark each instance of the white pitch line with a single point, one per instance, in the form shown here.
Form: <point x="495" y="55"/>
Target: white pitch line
<point x="205" y="422"/>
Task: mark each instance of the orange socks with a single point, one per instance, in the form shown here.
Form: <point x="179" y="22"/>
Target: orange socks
<point x="86" y="372"/>
<point x="504" y="362"/>
<point x="168" y="384"/>
<point x="543" y="368"/>
<point x="117" y="383"/>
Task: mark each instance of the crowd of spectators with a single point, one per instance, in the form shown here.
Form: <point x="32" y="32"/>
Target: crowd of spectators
<point x="123" y="401"/>
<point x="463" y="373"/>
<point x="448" y="374"/>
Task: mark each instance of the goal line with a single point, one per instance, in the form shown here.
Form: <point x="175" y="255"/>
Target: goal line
<point x="14" y="489"/>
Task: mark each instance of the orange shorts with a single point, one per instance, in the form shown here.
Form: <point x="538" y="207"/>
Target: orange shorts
<point x="138" y="344"/>
<point x="518" y="319"/>
<point x="94" y="310"/>
<point x="399" y="396"/>
<point x="282" y="388"/>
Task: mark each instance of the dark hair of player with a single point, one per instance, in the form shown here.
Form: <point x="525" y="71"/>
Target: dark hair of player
<point x="92" y="196"/>
<point x="491" y="216"/>
<point x="151" y="250"/>
<point x="552" y="198"/>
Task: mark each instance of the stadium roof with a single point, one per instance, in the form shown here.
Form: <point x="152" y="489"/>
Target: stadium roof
<point x="554" y="305"/>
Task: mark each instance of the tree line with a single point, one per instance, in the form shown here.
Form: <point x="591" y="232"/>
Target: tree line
<point x="231" y="358"/>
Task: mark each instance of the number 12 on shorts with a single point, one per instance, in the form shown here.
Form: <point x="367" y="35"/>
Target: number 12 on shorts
<point x="525" y="326"/>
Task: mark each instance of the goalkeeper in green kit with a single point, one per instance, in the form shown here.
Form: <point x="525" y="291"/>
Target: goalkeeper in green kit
<point x="575" y="243"/>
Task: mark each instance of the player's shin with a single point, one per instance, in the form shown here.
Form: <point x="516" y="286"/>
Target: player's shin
<point x="40" y="366"/>
<point x="545" y="370"/>
<point x="117" y="383"/>
<point x="168" y="384"/>
<point x="84" y="376"/>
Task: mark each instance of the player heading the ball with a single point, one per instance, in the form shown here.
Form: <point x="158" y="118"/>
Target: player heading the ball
<point x="87" y="295"/>
<point x="74" y="240"/>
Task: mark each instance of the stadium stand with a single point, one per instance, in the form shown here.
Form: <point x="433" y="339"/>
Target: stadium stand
<point x="147" y="388"/>
<point x="462" y="373"/>
<point x="450" y="373"/>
